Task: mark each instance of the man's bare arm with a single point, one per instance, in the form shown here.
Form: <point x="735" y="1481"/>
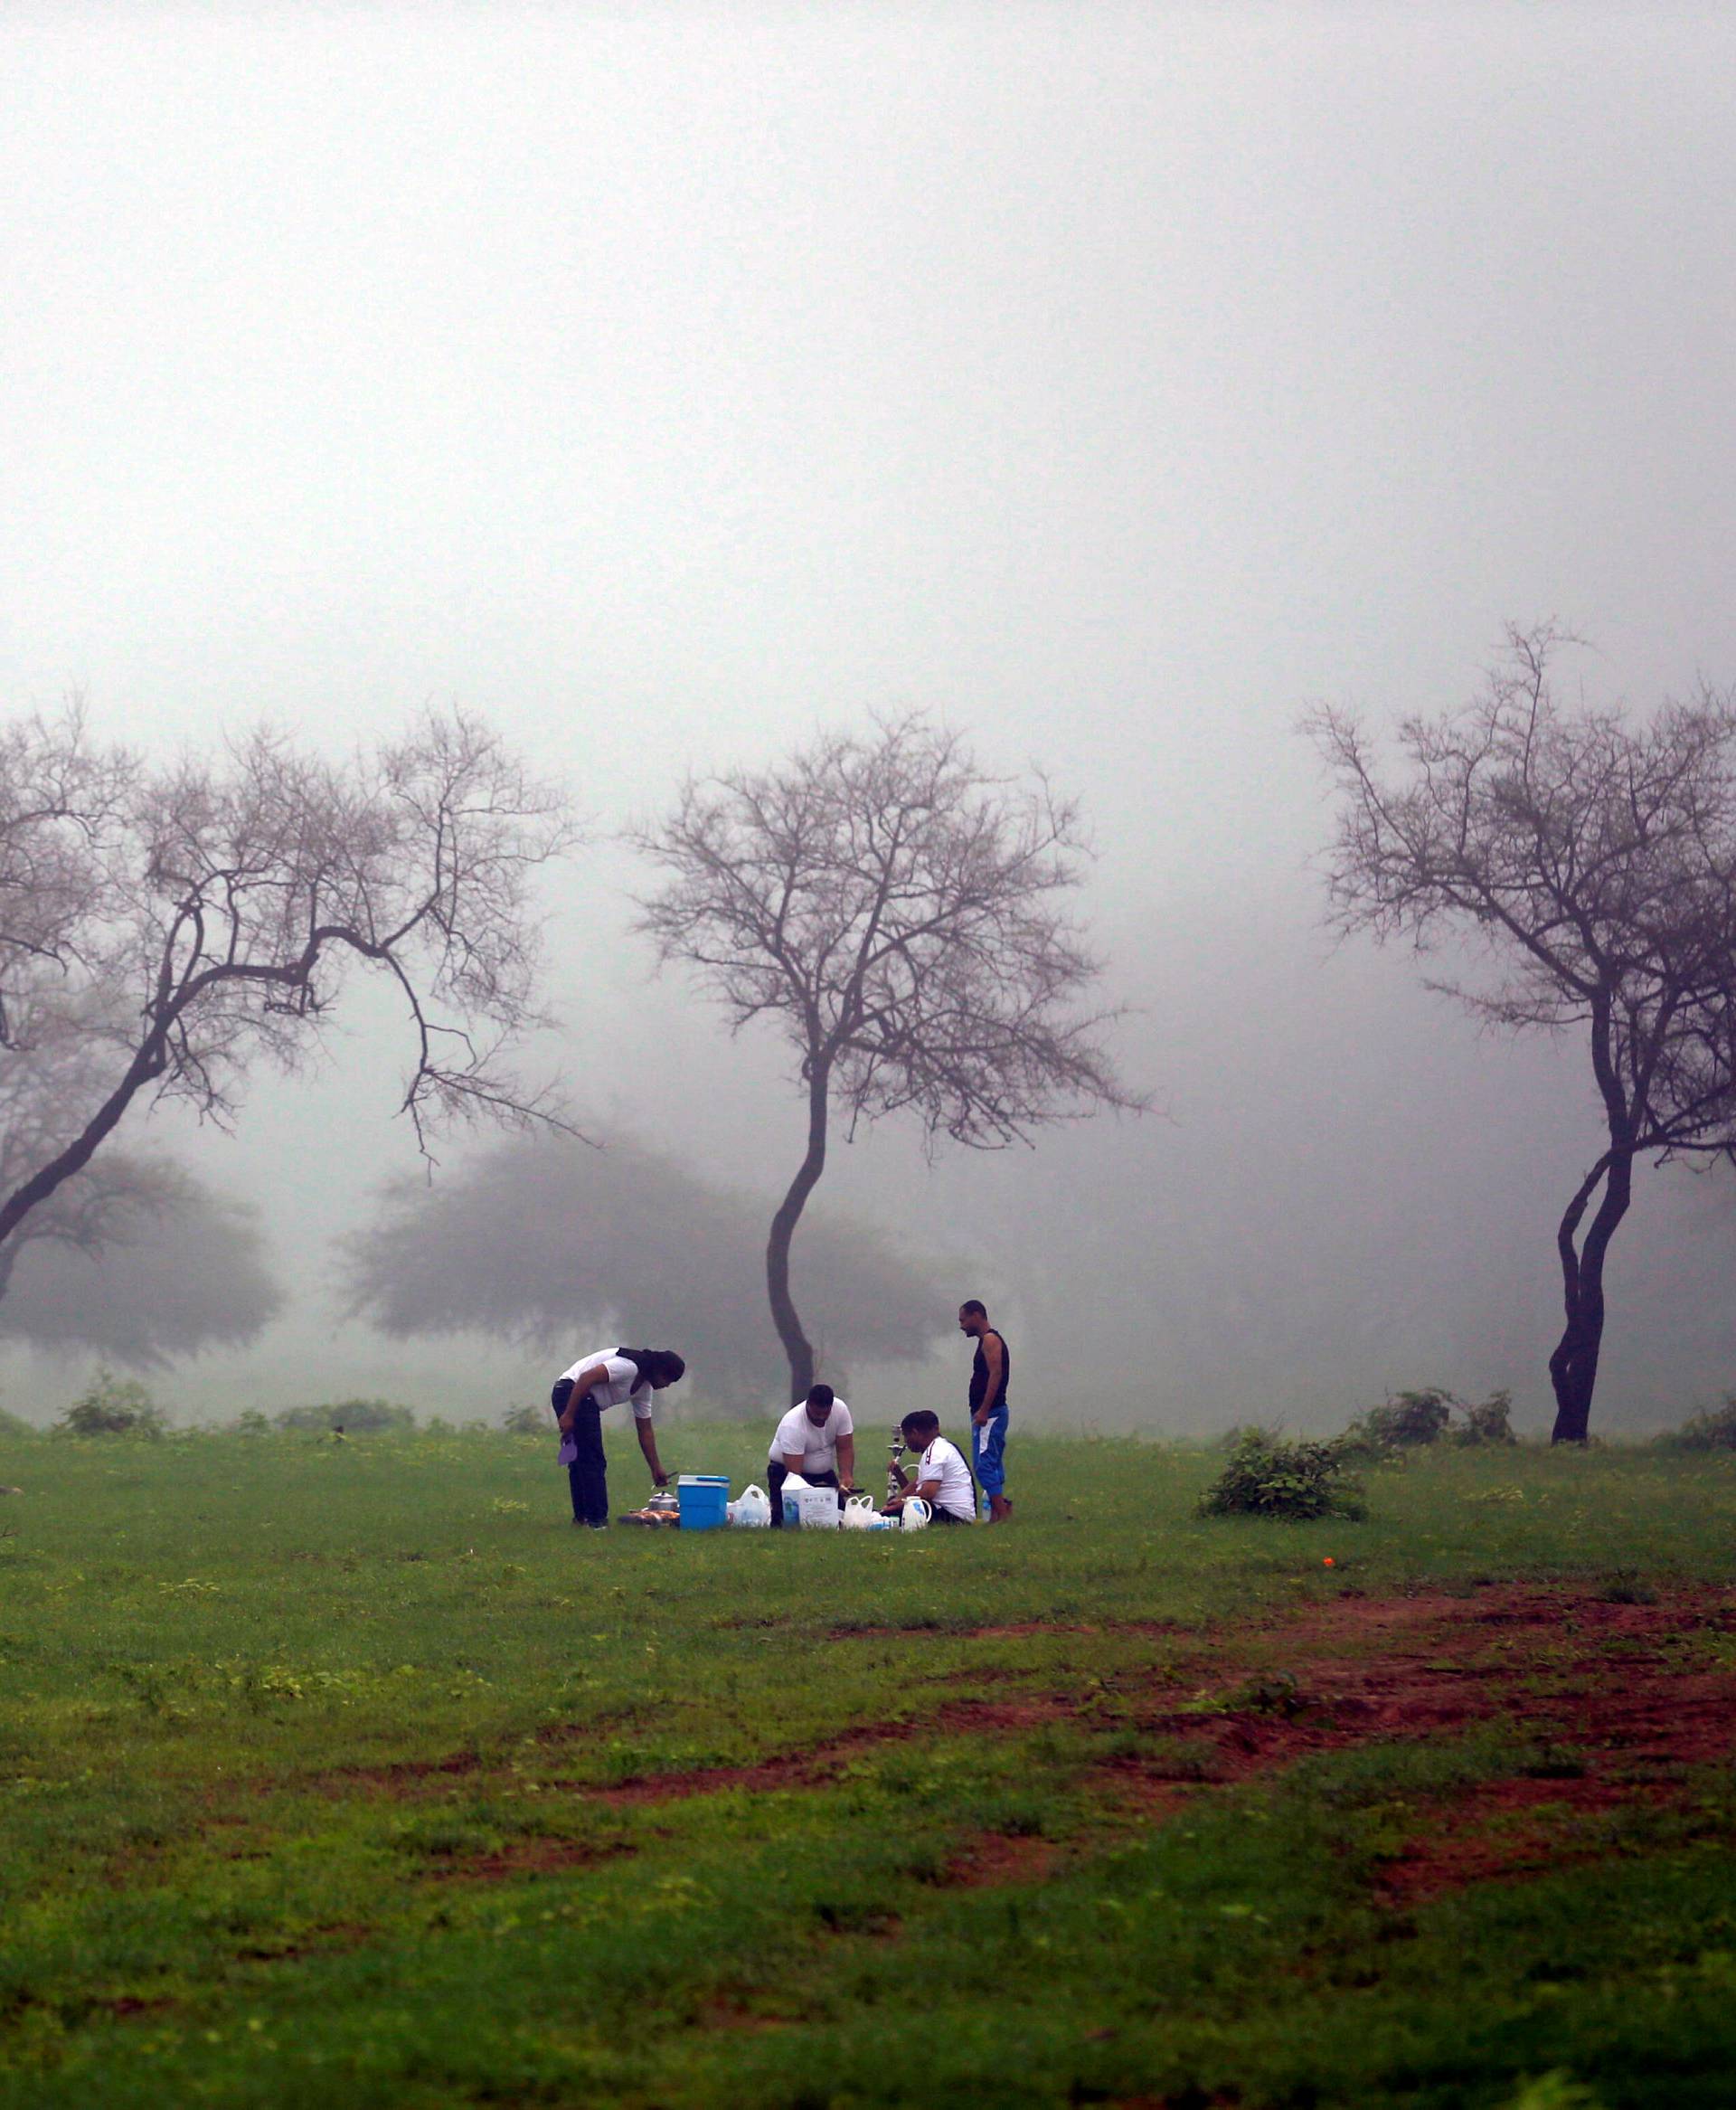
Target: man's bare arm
<point x="995" y="1356"/>
<point x="647" y="1435"/>
<point x="597" y="1374"/>
<point x="930" y="1490"/>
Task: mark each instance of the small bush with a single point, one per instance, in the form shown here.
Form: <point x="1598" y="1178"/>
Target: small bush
<point x="12" y="1426"/>
<point x="1406" y="1419"/>
<point x="527" y="1421"/>
<point x="1489" y="1420"/>
<point x="1269" y="1476"/>
<point x="1410" y="1421"/>
<point x="349" y="1417"/>
<point x="251" y="1422"/>
<point x="1712" y="1431"/>
<point x="114" y="1406"/>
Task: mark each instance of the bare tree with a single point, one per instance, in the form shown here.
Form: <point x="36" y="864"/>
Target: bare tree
<point x="1594" y="860"/>
<point x="174" y="926"/>
<point x="530" y="1240"/>
<point x="63" y="803"/>
<point x="899" y="917"/>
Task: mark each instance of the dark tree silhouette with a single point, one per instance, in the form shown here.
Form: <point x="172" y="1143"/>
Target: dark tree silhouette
<point x="180" y="924"/>
<point x="899" y="916"/>
<point x="1594" y="860"/>
<point x="549" y="1241"/>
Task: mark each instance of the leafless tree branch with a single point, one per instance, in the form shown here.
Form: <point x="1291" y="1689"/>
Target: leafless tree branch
<point x="903" y="919"/>
<point x="187" y="923"/>
<point x="1592" y="860"/>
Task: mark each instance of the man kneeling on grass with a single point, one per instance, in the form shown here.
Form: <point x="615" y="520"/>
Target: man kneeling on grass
<point x="942" y="1477"/>
<point x="818" y="1439"/>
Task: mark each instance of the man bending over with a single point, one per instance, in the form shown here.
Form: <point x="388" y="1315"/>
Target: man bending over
<point x="942" y="1477"/>
<point x="608" y="1377"/>
<point x="818" y="1439"/>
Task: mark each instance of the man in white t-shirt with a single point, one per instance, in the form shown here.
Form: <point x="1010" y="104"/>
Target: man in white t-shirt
<point x="942" y="1477"/>
<point x="608" y="1377"/>
<point x="818" y="1439"/>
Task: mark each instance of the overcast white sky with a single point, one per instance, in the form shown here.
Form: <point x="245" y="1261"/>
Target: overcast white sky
<point x="668" y="381"/>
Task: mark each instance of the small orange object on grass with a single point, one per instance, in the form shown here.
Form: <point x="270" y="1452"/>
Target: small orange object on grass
<point x="1329" y="1562"/>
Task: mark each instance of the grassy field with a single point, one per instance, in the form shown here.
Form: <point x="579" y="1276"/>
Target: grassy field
<point x="350" y="1774"/>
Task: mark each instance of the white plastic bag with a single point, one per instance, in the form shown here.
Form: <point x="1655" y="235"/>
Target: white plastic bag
<point x="916" y="1514"/>
<point x="859" y="1513"/>
<point x="751" y="1510"/>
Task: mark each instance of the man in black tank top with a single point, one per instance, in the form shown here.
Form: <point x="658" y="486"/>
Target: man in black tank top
<point x="989" y="1371"/>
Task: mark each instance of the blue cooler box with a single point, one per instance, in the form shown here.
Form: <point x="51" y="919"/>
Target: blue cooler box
<point x="704" y="1498"/>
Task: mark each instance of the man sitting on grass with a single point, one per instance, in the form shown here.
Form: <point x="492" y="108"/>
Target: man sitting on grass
<point x="818" y="1439"/>
<point x="942" y="1477"/>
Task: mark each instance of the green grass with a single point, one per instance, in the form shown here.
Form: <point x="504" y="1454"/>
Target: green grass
<point x="309" y="1761"/>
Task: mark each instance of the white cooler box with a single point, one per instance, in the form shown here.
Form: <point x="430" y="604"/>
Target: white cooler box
<point x="814" y="1508"/>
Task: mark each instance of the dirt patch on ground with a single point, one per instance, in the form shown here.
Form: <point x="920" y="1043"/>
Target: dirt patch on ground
<point x="1610" y="1703"/>
<point x="993" y="1858"/>
<point x="812" y="1768"/>
<point x="1019" y="1630"/>
<point x="1638" y="1694"/>
<point x="1509" y="1828"/>
<point x="323" y="1941"/>
<point x="527" y="1856"/>
<point x="736" y="2014"/>
<point x="403" y="1778"/>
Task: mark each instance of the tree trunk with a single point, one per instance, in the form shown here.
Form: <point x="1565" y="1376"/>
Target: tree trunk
<point x="783" y="1316"/>
<point x="1573" y="1367"/>
<point x="147" y="1064"/>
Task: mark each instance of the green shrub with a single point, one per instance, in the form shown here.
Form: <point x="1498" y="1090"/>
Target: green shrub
<point x="1409" y="1421"/>
<point x="527" y="1421"/>
<point x="1488" y="1421"/>
<point x="1406" y="1419"/>
<point x="349" y="1417"/>
<point x="114" y="1406"/>
<point x="251" y="1421"/>
<point x="1269" y="1476"/>
<point x="12" y="1426"/>
<point x="1712" y="1431"/>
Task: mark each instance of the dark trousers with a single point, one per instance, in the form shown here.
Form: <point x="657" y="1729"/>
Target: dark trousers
<point x="589" y="1473"/>
<point x="777" y="1473"/>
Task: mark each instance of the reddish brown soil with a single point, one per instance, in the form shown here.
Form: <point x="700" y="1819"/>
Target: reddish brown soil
<point x="1630" y="1694"/>
<point x="725" y="2013"/>
<point x="1021" y="1629"/>
<point x="527" y="1857"/>
<point x="1509" y="1828"/>
<point x="797" y="1769"/>
<point x="1621" y="1692"/>
<point x="338" y="1934"/>
<point x="993" y="1858"/>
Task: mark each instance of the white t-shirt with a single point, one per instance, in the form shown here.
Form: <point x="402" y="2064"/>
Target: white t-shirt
<point x="945" y="1461"/>
<point x="623" y="1382"/>
<point x="817" y="1447"/>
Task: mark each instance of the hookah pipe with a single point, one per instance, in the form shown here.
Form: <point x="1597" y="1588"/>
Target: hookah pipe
<point x="894" y="1476"/>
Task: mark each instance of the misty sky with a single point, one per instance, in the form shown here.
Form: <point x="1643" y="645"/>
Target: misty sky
<point x="667" y="381"/>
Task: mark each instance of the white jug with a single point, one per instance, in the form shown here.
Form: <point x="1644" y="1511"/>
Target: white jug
<point x="916" y="1514"/>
